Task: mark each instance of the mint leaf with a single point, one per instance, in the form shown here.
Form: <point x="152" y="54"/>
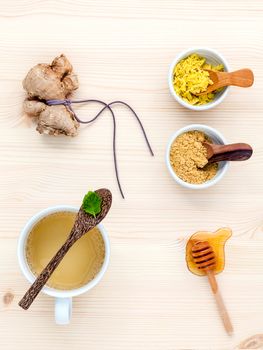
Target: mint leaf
<point x="92" y="203"/>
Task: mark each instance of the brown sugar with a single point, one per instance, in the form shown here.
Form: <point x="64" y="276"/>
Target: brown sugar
<point x="188" y="158"/>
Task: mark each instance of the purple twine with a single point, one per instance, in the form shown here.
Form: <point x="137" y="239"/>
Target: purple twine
<point x="67" y="103"/>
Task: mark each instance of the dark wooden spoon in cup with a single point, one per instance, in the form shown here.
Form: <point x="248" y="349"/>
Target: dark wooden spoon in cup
<point x="84" y="222"/>
<point x="232" y="152"/>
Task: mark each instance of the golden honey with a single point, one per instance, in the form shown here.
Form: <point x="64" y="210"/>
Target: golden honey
<point x="217" y="241"/>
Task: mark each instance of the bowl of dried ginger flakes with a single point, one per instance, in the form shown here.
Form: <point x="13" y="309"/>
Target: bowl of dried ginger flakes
<point x="188" y="77"/>
<point x="186" y="157"/>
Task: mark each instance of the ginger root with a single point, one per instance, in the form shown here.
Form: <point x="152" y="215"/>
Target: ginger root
<point x="52" y="120"/>
<point x="45" y="82"/>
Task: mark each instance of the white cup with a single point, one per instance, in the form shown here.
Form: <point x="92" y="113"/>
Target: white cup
<point x="63" y="298"/>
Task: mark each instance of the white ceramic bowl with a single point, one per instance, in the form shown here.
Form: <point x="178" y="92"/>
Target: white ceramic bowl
<point x="212" y="57"/>
<point x="216" y="137"/>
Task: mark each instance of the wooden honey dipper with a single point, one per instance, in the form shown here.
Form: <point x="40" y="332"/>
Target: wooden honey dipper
<point x="204" y="258"/>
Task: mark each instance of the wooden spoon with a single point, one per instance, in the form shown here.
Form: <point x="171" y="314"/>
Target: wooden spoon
<point x="232" y="152"/>
<point x="204" y="258"/>
<point x="84" y="223"/>
<point x="242" y="78"/>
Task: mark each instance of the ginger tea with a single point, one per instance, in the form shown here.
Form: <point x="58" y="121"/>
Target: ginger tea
<point x="81" y="263"/>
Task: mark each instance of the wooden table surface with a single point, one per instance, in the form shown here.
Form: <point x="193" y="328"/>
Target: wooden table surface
<point x="122" y="49"/>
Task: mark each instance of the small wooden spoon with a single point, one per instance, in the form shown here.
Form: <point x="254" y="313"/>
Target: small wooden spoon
<point x="84" y="223"/>
<point x="205" y="259"/>
<point x="232" y="152"/>
<point x="242" y="78"/>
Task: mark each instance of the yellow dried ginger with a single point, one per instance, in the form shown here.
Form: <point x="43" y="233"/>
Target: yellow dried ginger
<point x="190" y="78"/>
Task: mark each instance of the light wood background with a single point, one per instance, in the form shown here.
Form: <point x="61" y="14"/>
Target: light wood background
<point x="122" y="50"/>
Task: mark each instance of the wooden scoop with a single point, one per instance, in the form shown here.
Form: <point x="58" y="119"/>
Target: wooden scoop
<point x="84" y="223"/>
<point x="204" y="257"/>
<point x="232" y="152"/>
<point x="242" y="78"/>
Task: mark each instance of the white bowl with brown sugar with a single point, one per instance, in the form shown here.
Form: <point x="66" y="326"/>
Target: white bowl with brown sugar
<point x="186" y="159"/>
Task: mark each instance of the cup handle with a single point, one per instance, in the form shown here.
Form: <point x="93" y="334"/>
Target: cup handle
<point x="63" y="310"/>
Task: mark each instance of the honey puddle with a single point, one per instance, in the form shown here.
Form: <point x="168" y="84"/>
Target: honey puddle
<point x="217" y="241"/>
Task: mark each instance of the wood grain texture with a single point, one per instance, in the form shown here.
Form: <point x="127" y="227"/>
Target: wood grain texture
<point x="122" y="50"/>
<point x="230" y="152"/>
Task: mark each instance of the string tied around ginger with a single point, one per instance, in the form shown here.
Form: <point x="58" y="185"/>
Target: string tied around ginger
<point x="68" y="104"/>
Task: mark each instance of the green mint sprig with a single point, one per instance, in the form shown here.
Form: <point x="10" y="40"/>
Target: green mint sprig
<point x="92" y="203"/>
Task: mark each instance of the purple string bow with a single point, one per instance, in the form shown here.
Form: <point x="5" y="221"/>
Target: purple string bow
<point x="67" y="103"/>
